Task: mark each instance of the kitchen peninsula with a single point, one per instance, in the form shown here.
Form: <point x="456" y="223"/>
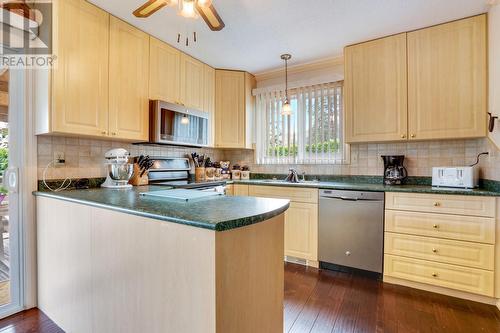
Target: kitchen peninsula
<point x="114" y="261"/>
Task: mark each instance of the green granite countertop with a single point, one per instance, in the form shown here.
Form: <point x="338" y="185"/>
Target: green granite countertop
<point x="362" y="184"/>
<point x="218" y="213"/>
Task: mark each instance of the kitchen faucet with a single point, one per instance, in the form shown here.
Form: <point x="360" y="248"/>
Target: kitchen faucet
<point x="293" y="176"/>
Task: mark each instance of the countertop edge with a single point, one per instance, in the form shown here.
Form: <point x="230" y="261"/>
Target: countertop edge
<point x="374" y="187"/>
<point x="219" y="227"/>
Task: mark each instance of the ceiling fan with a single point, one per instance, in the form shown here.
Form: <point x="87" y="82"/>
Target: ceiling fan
<point x="187" y="8"/>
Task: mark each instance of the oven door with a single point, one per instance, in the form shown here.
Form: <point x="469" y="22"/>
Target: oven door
<point x="177" y="125"/>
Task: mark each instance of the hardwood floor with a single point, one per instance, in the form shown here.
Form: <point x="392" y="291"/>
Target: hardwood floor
<point x="322" y="301"/>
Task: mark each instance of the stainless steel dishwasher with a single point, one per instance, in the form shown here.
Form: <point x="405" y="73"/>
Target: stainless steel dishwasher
<point x="351" y="230"/>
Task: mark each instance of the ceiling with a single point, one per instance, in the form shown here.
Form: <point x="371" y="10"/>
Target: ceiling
<point x="258" y="31"/>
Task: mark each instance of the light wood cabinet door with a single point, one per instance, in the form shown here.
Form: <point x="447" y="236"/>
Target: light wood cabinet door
<point x="192" y="82"/>
<point x="240" y="190"/>
<point x="80" y="79"/>
<point x="447" y="80"/>
<point x="230" y="117"/>
<point x="128" y="82"/>
<point x="467" y="254"/>
<point x="467" y="279"/>
<point x="164" y="71"/>
<point x="441" y="203"/>
<point x="376" y="91"/>
<point x="301" y="231"/>
<point x="294" y="194"/>
<point x="209" y="101"/>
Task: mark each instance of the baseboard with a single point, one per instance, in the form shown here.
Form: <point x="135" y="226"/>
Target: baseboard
<point x="444" y="291"/>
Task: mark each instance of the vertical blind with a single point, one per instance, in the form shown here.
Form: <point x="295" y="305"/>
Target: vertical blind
<point x="313" y="134"/>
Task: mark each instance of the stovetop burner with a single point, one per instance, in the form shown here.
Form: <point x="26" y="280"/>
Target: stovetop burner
<point x="190" y="184"/>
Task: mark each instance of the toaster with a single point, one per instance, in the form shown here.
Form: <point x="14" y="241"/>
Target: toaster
<point x="459" y="177"/>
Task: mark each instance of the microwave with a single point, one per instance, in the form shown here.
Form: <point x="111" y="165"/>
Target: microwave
<point x="175" y="124"/>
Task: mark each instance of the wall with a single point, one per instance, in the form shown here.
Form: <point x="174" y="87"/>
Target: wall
<point x="420" y="158"/>
<point x="85" y="157"/>
<point x="494" y="67"/>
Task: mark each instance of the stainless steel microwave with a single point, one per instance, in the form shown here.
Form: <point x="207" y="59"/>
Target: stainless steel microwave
<point x="177" y="125"/>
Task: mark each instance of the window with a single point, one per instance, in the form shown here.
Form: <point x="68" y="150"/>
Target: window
<point x="313" y="134"/>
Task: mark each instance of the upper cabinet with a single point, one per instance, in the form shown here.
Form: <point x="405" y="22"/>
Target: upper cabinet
<point x="447" y="80"/>
<point x="192" y="82"/>
<point x="209" y="100"/>
<point x="128" y="81"/>
<point x="234" y="106"/>
<point x="443" y="96"/>
<point x="78" y="98"/>
<point x="164" y="73"/>
<point x="375" y="90"/>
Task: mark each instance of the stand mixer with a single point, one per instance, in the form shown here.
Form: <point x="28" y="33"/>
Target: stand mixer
<point x="119" y="169"/>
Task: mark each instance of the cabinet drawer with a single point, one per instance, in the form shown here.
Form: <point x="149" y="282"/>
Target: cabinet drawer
<point x="437" y="203"/>
<point x="449" y="276"/>
<point x="441" y="250"/>
<point x="308" y="195"/>
<point x="467" y="228"/>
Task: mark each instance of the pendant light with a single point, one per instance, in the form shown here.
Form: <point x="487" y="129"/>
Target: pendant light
<point x="287" y="108"/>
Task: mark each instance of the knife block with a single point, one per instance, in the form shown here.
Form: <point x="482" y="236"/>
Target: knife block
<point x="136" y="179"/>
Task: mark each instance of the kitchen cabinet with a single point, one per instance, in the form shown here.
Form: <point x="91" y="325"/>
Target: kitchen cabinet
<point x="444" y="241"/>
<point x="209" y="100"/>
<point x="240" y="190"/>
<point x="301" y="231"/>
<point x="423" y="85"/>
<point x="301" y="220"/>
<point x="76" y="101"/>
<point x="447" y="80"/>
<point x="164" y="72"/>
<point x="375" y="90"/>
<point x="192" y="82"/>
<point x="128" y="82"/>
<point x="234" y="109"/>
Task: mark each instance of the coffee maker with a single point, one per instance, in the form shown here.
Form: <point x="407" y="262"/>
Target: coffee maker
<point x="394" y="171"/>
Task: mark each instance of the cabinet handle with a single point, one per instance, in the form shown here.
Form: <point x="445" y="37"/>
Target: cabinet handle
<point x="437" y="204"/>
<point x="403" y="136"/>
<point x="434" y="250"/>
<point x="435" y="275"/>
<point x="413" y="136"/>
<point x="114" y="133"/>
<point x="104" y="132"/>
<point x="436" y="226"/>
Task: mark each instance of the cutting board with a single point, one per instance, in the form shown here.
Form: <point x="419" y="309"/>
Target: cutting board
<point x="181" y="195"/>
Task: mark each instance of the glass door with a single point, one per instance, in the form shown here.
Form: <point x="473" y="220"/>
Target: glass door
<point x="10" y="121"/>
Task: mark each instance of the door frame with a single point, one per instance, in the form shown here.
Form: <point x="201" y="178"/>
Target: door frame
<point x="23" y="155"/>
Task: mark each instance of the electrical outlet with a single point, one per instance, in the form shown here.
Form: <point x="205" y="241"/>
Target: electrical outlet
<point x="59" y="159"/>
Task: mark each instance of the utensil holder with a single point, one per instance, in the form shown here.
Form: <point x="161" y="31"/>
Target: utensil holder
<point x="209" y="173"/>
<point x="136" y="179"/>
<point x="199" y="174"/>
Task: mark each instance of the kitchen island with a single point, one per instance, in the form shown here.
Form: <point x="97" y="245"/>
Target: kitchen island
<point x="114" y="261"/>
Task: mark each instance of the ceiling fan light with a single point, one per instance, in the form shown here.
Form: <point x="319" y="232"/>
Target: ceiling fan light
<point x="286" y="110"/>
<point x="204" y="3"/>
<point x="187" y="9"/>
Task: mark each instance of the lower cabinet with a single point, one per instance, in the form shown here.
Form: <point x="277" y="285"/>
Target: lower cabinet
<point x="440" y="241"/>
<point x="301" y="231"/>
<point x="301" y="219"/>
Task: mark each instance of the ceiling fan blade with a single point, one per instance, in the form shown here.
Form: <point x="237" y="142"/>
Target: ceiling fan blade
<point x="211" y="17"/>
<point x="18" y="7"/>
<point x="150" y="7"/>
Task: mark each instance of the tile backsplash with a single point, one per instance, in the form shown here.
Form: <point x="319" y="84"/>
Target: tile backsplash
<point x="420" y="158"/>
<point x="85" y="157"/>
